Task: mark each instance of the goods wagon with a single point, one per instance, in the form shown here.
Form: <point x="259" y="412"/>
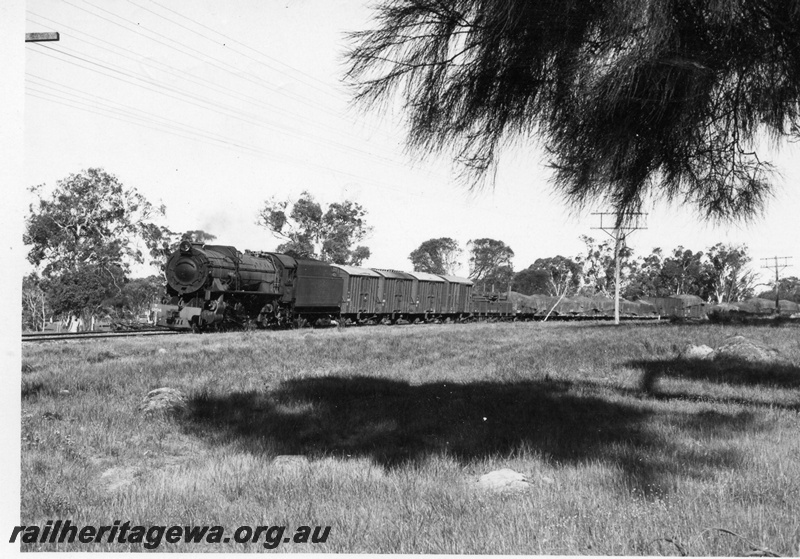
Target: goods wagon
<point x="429" y="293"/>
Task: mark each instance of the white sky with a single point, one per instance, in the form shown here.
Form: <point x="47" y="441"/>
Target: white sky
<point x="234" y="102"/>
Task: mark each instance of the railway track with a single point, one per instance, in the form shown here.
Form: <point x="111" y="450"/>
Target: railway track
<point x="57" y="336"/>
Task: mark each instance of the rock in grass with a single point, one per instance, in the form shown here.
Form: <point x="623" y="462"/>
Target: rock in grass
<point x="503" y="480"/>
<point x="696" y="352"/>
<point x="165" y="402"/>
<point x="739" y="348"/>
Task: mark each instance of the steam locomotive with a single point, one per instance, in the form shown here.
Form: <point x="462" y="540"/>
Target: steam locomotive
<point x="219" y="287"/>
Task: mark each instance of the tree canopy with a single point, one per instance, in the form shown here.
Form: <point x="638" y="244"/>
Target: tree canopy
<point x="490" y="263"/>
<point x="721" y="274"/>
<point x="554" y="276"/>
<point x="597" y="265"/>
<point x="730" y="277"/>
<point x="90" y="218"/>
<point x="310" y="232"/>
<point x="632" y="99"/>
<point x="788" y="288"/>
<point x="84" y="236"/>
<point x="436" y="256"/>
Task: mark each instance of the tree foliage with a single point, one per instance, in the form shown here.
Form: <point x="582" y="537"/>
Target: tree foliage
<point x="683" y="272"/>
<point x="310" y="232"/>
<point x="436" y="256"/>
<point x="85" y="234"/>
<point x="721" y="274"/>
<point x="788" y="288"/>
<point x="731" y="279"/>
<point x="598" y="266"/>
<point x="490" y="263"/>
<point x="84" y="290"/>
<point x="137" y="296"/>
<point x="35" y="308"/>
<point x="554" y="276"/>
<point x="630" y="98"/>
<point x="91" y="219"/>
<point x="530" y="281"/>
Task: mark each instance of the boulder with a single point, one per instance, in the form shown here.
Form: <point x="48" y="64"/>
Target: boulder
<point x="165" y="402"/>
<point x="739" y="348"/>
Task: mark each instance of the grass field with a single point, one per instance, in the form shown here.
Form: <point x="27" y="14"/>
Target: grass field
<point x="629" y="449"/>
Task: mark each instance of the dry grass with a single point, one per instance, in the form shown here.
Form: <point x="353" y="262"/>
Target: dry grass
<point x="629" y="449"/>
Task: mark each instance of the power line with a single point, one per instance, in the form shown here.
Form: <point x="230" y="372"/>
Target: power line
<point x="187" y="131"/>
<point x="136" y="120"/>
<point x="282" y="158"/>
<point x="224" y="66"/>
<point x="206" y="58"/>
<point x="243" y="116"/>
<point x="248" y="115"/>
<point x="231" y="40"/>
<point x="173" y="69"/>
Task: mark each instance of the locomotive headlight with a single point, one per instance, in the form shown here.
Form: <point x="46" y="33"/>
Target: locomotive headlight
<point x="185" y="246"/>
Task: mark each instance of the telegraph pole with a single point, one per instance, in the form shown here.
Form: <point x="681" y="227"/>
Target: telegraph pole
<point x="778" y="263"/>
<point x="623" y="224"/>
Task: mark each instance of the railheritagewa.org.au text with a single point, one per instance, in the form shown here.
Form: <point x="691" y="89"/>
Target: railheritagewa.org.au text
<point x="151" y="537"/>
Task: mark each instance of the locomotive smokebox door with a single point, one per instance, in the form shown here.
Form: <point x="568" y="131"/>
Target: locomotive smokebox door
<point x="187" y="271"/>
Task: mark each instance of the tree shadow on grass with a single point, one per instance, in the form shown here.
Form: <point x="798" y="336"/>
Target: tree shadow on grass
<point x="394" y="423"/>
<point x="728" y="370"/>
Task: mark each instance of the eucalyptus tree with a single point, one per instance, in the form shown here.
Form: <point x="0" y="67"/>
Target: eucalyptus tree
<point x="490" y="263"/>
<point x="85" y="234"/>
<point x="309" y="232"/>
<point x="436" y="256"/>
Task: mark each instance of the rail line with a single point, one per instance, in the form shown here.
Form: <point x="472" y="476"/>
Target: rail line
<point x="57" y="336"/>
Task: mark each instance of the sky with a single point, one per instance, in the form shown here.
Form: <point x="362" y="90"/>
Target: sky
<point x="212" y="108"/>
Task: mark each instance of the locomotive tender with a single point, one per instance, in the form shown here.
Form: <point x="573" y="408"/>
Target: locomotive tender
<point x="215" y="286"/>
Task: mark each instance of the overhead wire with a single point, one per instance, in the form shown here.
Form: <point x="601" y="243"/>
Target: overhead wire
<point x="92" y="107"/>
<point x="247" y="118"/>
<point x="206" y="58"/>
<point x="137" y="28"/>
<point x="256" y="100"/>
<point x="309" y="83"/>
<point x="283" y="158"/>
<point x="195" y="134"/>
<point x="130" y="111"/>
<point x="186" y="129"/>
